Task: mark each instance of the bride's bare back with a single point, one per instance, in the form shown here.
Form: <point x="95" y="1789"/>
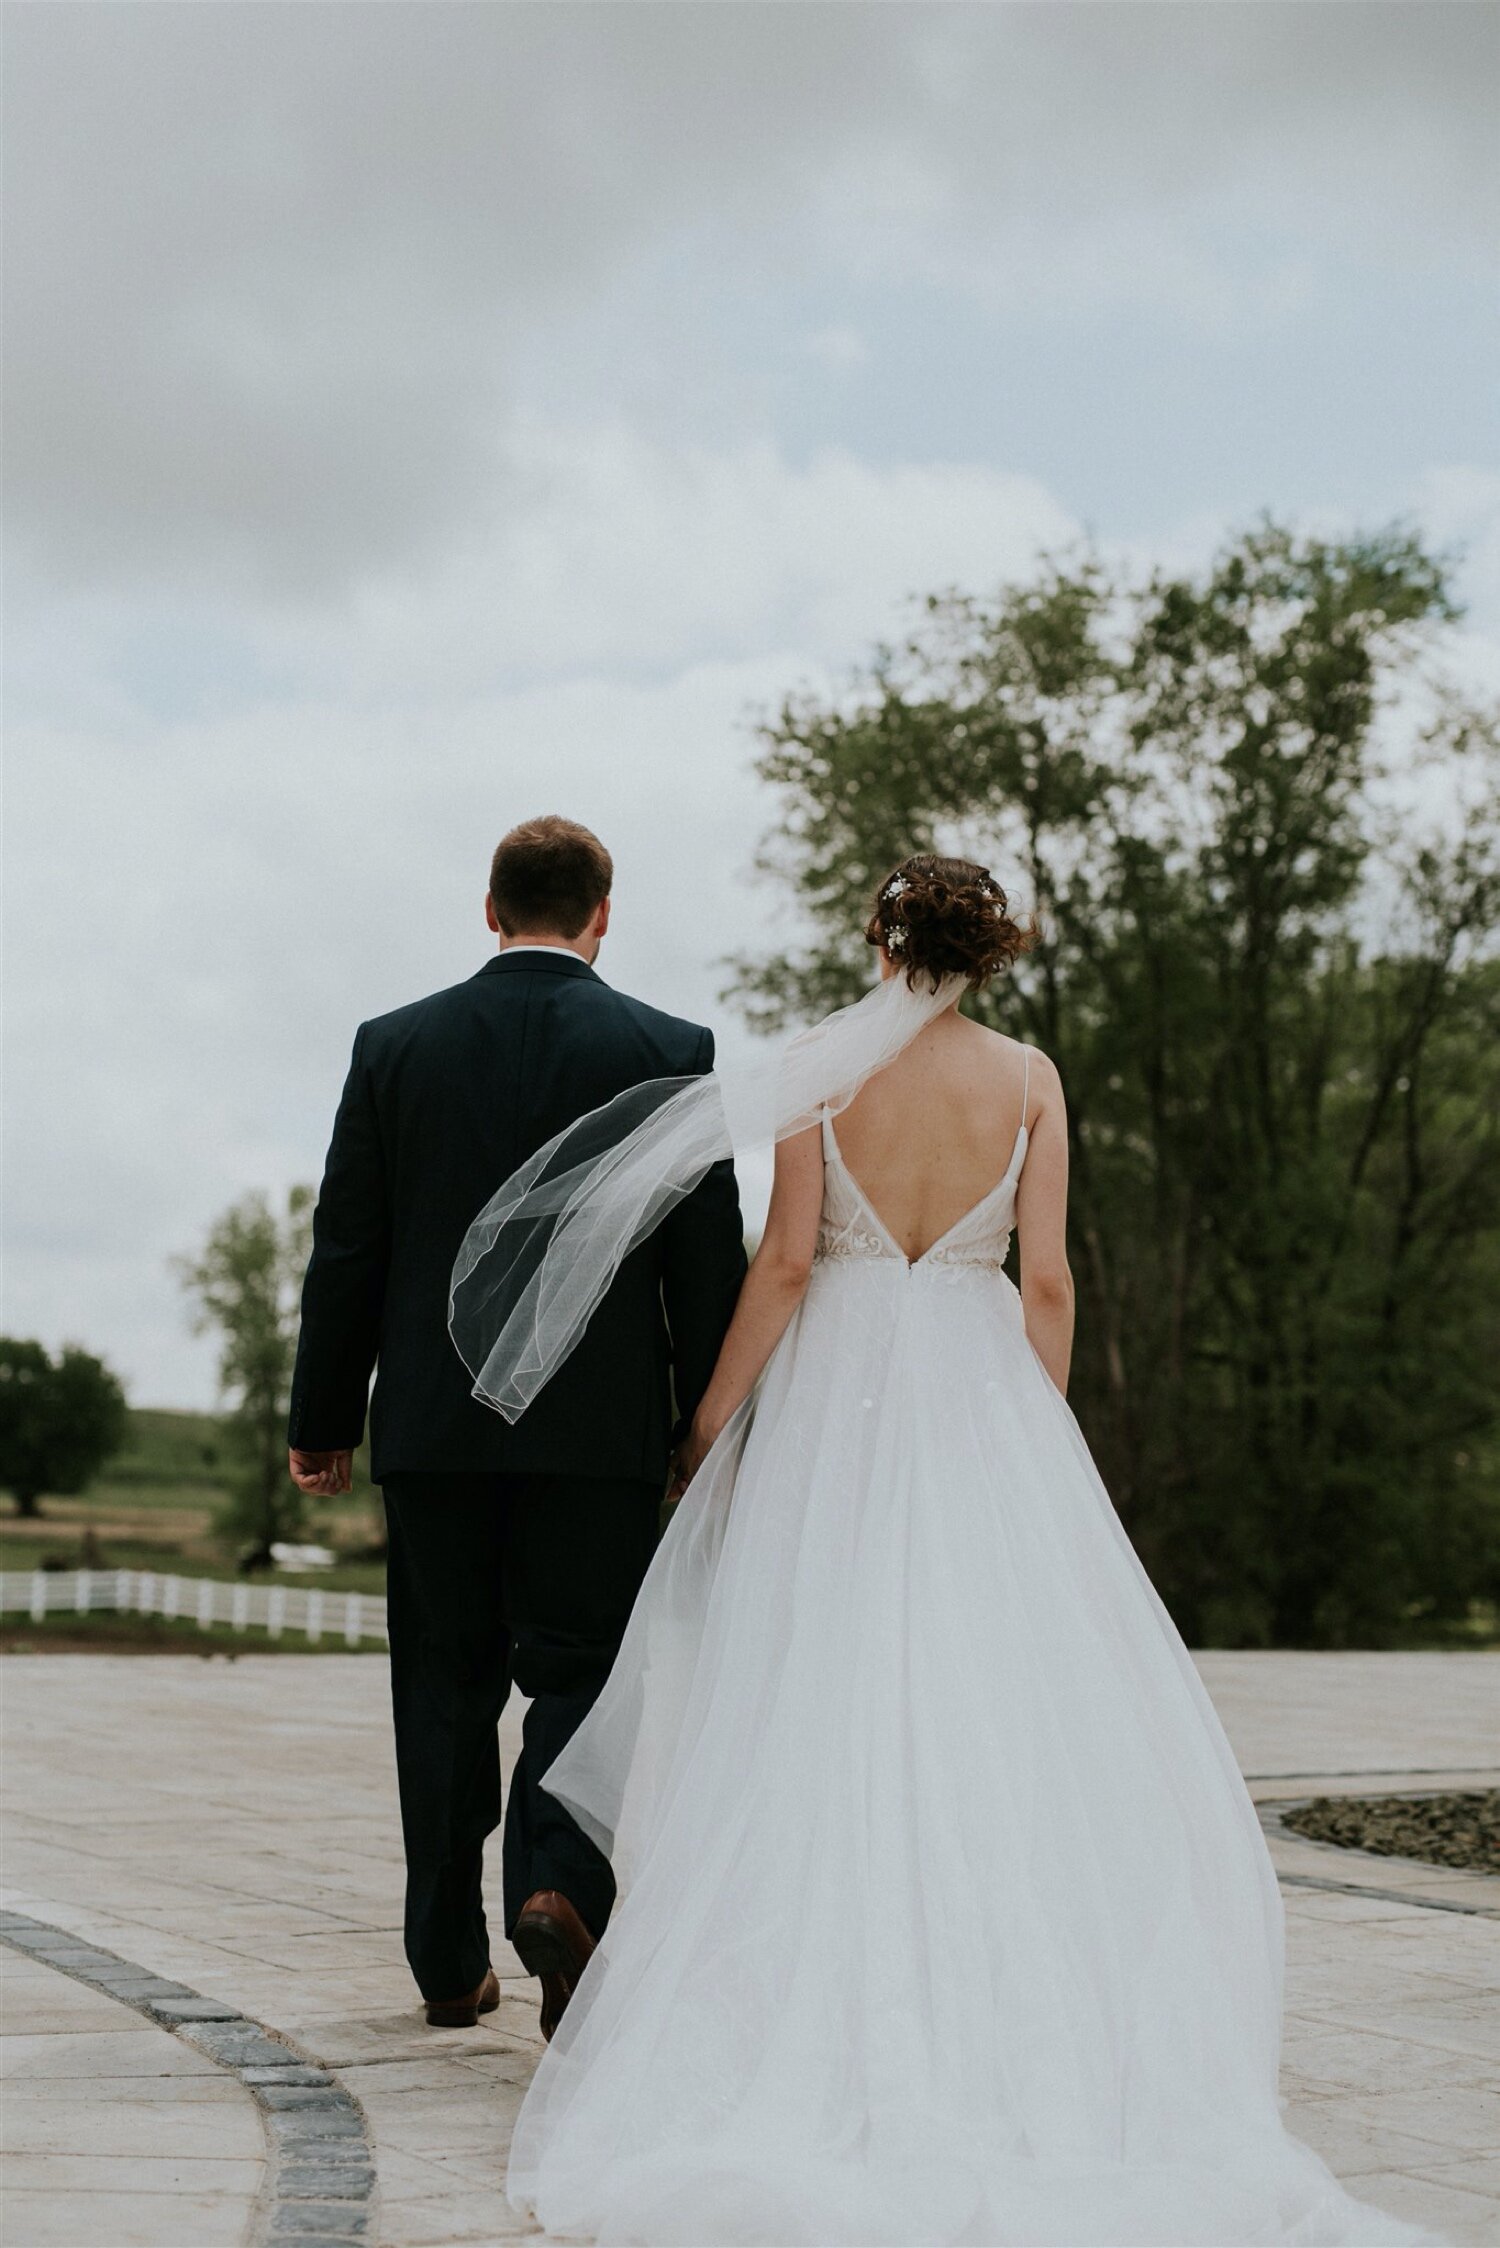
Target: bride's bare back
<point x="931" y="1135"/>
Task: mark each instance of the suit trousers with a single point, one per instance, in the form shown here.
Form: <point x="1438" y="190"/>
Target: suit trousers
<point x="496" y="1580"/>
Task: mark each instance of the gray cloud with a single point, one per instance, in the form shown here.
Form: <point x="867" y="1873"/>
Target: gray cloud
<point x="273" y="270"/>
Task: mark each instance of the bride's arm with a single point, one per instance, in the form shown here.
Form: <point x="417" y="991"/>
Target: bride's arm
<point x="775" y="1285"/>
<point x="1042" y="1222"/>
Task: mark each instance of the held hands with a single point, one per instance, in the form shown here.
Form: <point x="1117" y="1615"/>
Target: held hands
<point x="689" y="1457"/>
<point x="322" y="1475"/>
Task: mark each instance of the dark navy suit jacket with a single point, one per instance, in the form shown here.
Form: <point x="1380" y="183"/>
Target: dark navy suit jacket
<point x="444" y="1099"/>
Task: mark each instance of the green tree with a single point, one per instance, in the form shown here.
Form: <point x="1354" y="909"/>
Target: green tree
<point x="60" y="1420"/>
<point x="1270" y="985"/>
<point x="244" y="1285"/>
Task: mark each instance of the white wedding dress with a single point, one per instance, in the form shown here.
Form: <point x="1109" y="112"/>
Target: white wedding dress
<point x="946" y="1917"/>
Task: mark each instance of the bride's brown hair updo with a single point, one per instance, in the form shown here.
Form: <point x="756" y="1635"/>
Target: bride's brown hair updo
<point x="946" y="917"/>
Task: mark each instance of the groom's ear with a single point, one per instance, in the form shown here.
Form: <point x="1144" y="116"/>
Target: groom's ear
<point x="601" y="918"/>
<point x="490" y="915"/>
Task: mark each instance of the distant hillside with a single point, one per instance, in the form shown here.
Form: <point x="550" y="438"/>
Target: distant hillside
<point x="166" y="1447"/>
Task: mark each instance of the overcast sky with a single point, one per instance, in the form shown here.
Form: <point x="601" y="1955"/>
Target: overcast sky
<point x="424" y="415"/>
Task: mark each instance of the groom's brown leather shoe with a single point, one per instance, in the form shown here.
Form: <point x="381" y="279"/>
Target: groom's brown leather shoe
<point x="463" y="2013"/>
<point x="551" y="1941"/>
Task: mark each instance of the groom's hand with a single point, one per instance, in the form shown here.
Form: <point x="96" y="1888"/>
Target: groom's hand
<point x="322" y="1475"/>
<point x="688" y="1458"/>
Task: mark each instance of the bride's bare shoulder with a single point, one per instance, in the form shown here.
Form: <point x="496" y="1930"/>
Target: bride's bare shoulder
<point x="1000" y="1042"/>
<point x="1005" y="1054"/>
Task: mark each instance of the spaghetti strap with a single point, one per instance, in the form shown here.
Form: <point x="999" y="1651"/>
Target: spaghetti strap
<point x="1025" y="1082"/>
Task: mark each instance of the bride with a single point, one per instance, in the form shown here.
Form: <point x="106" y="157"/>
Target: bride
<point x="947" y="1917"/>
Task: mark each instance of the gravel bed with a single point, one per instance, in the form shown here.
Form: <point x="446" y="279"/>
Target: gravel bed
<point x="1445" y="1830"/>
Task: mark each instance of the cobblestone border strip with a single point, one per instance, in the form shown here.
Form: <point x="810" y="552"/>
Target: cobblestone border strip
<point x="1273" y="1820"/>
<point x="322" y="2168"/>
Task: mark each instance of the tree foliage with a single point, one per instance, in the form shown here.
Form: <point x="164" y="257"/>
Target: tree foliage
<point x="244" y="1285"/>
<point x="61" y="1419"/>
<point x="1260" y="835"/>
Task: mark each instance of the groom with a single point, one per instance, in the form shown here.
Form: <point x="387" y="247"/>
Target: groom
<point x="515" y="1551"/>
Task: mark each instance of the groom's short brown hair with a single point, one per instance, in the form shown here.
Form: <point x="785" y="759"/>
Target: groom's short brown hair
<point x="549" y="875"/>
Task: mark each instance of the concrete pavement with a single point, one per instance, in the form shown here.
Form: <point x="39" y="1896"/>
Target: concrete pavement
<point x="233" y="1825"/>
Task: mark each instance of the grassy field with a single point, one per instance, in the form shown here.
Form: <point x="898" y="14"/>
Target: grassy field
<point x="154" y="1507"/>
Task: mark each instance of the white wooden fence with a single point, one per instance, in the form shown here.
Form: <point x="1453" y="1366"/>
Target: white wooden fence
<point x="274" y="1609"/>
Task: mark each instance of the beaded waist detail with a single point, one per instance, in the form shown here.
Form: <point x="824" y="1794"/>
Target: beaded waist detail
<point x="860" y="1244"/>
